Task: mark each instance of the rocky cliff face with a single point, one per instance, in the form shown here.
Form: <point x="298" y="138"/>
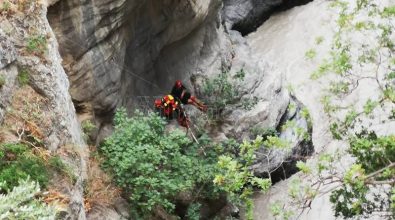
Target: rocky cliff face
<point x="31" y="76"/>
<point x="116" y="51"/>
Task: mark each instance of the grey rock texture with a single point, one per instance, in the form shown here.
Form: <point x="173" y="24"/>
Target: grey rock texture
<point x="280" y="163"/>
<point x="8" y="72"/>
<point x="262" y="81"/>
<point x="120" y="211"/>
<point x="116" y="51"/>
<point x="7" y="51"/>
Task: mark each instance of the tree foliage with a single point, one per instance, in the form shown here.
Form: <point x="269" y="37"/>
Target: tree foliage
<point x="18" y="162"/>
<point x="364" y="188"/>
<point x="21" y="203"/>
<point x="237" y="179"/>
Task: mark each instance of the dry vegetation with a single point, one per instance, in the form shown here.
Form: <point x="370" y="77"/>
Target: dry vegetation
<point x="99" y="188"/>
<point x="10" y="7"/>
<point x="28" y="117"/>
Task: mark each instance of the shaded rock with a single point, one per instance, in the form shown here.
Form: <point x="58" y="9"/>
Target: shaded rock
<point x="246" y="16"/>
<point x="8" y="72"/>
<point x="296" y="130"/>
<point x="116" y="50"/>
<point x="103" y="213"/>
<point x="7" y="50"/>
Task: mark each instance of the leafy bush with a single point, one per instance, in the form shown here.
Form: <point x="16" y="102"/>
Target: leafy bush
<point x="21" y="202"/>
<point x="373" y="167"/>
<point x="18" y="162"/>
<point x="263" y="132"/>
<point x="152" y="165"/>
<point x="237" y="179"/>
<point x="193" y="211"/>
<point x="87" y="126"/>
<point x="222" y="90"/>
<point x="319" y="40"/>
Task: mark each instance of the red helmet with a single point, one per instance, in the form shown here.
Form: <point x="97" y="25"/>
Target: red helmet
<point x="178" y="84"/>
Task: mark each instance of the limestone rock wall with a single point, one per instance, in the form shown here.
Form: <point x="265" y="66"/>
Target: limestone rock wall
<point x="47" y="81"/>
<point x="115" y="51"/>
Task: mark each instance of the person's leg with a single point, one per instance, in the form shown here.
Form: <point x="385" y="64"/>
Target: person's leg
<point x="182" y="119"/>
<point x="197" y="103"/>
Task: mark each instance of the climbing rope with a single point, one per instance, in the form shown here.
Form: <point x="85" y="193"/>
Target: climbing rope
<point x="190" y="129"/>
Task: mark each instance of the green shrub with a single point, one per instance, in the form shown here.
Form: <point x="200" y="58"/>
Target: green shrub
<point x="193" y="212"/>
<point x="23" y="77"/>
<point x="310" y="54"/>
<point x="153" y="166"/>
<point x="37" y="44"/>
<point x="87" y="126"/>
<point x="263" y="132"/>
<point x="18" y="162"/>
<point x="2" y="81"/>
<point x="319" y="40"/>
<point x="223" y="90"/>
<point x="6" y="6"/>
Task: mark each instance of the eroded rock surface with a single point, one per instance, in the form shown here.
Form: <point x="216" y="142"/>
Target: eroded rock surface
<point x="47" y="80"/>
<point x="116" y="50"/>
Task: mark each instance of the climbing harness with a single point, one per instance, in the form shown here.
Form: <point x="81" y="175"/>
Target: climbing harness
<point x="168" y="105"/>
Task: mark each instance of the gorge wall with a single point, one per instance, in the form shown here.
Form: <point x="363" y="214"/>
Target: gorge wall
<point x="115" y="51"/>
<point x="35" y="83"/>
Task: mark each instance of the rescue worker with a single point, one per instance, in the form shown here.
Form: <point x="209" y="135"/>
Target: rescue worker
<point x="181" y="93"/>
<point x="169" y="107"/>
